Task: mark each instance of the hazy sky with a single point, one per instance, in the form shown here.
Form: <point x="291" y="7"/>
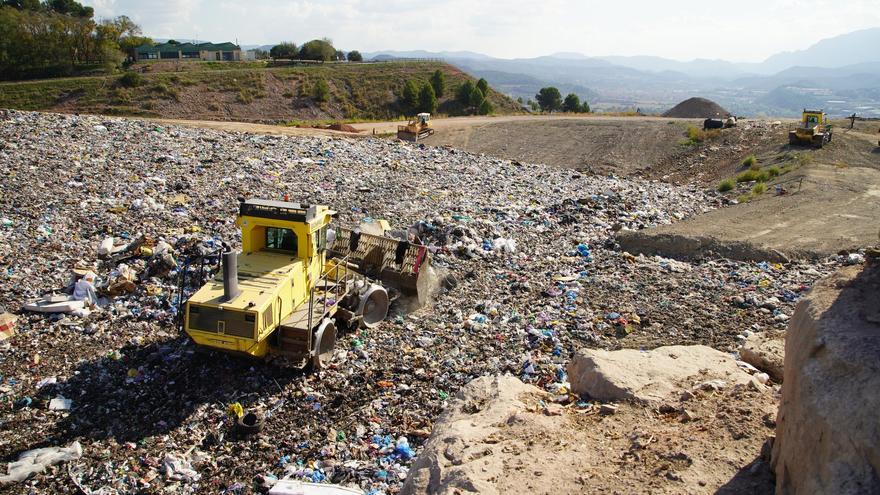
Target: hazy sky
<point x="737" y="30"/>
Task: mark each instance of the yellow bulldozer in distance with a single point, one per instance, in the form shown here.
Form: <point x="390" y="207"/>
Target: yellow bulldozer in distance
<point x="813" y="129"/>
<point x="418" y="128"/>
<point x="296" y="281"/>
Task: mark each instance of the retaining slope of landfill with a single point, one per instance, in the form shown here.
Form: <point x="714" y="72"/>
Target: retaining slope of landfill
<point x="534" y="273"/>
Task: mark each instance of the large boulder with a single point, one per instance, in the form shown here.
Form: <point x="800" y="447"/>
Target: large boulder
<point x="454" y="457"/>
<point x="765" y="351"/>
<point x="828" y="431"/>
<point x="650" y="376"/>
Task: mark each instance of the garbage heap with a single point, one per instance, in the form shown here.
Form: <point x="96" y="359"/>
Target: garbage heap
<point x="527" y="253"/>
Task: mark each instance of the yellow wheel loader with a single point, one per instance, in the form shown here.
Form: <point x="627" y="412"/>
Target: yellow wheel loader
<point x="418" y="128"/>
<point x="288" y="292"/>
<point x="813" y="129"/>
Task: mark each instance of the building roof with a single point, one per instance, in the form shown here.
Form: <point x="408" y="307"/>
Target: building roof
<point x="189" y="47"/>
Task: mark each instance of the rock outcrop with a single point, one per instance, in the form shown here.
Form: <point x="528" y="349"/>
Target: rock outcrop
<point x="649" y="376"/>
<point x="766" y="351"/>
<point x="454" y="460"/>
<point x="828" y="432"/>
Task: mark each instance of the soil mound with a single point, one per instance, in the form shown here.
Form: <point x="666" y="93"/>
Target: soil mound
<point x="343" y="127"/>
<point x="697" y="108"/>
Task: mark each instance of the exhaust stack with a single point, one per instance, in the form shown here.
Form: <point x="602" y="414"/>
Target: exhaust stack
<point x="230" y="275"/>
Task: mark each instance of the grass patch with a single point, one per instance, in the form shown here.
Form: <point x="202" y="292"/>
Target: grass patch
<point x="744" y="198"/>
<point x="841" y="164"/>
<point x="759" y="188"/>
<point x="130" y="80"/>
<point x="751" y="162"/>
<point x="726" y="185"/>
<point x="774" y="171"/>
<point x="753" y="175"/>
<point x="695" y="136"/>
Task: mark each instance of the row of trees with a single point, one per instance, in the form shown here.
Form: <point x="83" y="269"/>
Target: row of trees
<point x="475" y="97"/>
<point x="550" y="100"/>
<point x="56" y="37"/>
<point x="424" y="98"/>
<point x="314" y="50"/>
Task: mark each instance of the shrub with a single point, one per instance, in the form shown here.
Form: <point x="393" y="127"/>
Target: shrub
<point x="213" y="107"/>
<point x="130" y="80"/>
<point x="696" y="135"/>
<point x="287" y="94"/>
<point x="244" y="96"/>
<point x="744" y="198"/>
<point x="774" y="171"/>
<point x="759" y="188"/>
<point x="747" y="176"/>
<point x="726" y="185"/>
<point x="321" y="91"/>
<point x="751" y="162"/>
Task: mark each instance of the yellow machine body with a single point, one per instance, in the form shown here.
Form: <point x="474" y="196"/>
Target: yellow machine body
<point x="281" y="259"/>
<point x="813" y="129"/>
<point x="418" y="128"/>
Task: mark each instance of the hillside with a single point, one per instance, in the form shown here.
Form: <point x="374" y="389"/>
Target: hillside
<point x="244" y="92"/>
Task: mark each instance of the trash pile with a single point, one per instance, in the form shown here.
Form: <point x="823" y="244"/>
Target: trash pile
<point x="531" y="272"/>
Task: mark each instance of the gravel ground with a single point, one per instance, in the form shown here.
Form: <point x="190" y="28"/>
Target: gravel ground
<point x="528" y="252"/>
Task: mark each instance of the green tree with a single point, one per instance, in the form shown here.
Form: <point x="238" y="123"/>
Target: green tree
<point x="438" y="82"/>
<point x="340" y="55"/>
<point x="463" y="95"/>
<point x="70" y="7"/>
<point x="285" y="49"/>
<point x="318" y="50"/>
<point x="321" y="91"/>
<point x="476" y="98"/>
<point x="32" y="5"/>
<point x="410" y="96"/>
<point x="571" y="104"/>
<point x="549" y="99"/>
<point x="486" y="107"/>
<point x="355" y="56"/>
<point x="484" y="86"/>
<point x="585" y="108"/>
<point x="427" y="99"/>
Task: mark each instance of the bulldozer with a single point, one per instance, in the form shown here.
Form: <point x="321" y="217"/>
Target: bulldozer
<point x="813" y="129"/>
<point x="415" y="129"/>
<point x="297" y="281"/>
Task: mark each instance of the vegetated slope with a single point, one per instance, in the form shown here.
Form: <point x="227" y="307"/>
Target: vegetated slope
<point x="696" y="108"/>
<point x="356" y="91"/>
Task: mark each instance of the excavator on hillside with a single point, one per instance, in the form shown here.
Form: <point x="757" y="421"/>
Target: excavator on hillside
<point x="297" y="280"/>
<point x="813" y="129"/>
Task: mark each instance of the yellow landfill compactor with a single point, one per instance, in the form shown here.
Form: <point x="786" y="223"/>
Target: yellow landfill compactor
<point x="418" y="128"/>
<point x="288" y="291"/>
<point x="813" y="129"/>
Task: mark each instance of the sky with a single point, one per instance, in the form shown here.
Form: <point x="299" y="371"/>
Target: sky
<point x="736" y="30"/>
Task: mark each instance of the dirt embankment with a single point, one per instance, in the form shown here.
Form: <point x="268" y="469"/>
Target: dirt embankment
<point x="246" y="93"/>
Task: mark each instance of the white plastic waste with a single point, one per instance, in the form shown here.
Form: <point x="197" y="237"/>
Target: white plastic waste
<point x="37" y="460"/>
<point x="179" y="469"/>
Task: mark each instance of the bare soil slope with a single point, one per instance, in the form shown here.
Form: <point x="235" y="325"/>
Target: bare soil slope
<point x="835" y="209"/>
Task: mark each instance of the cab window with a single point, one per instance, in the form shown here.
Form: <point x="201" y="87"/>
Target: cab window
<point x="278" y="239"/>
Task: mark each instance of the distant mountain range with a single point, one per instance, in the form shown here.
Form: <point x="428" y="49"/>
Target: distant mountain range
<point x="840" y="74"/>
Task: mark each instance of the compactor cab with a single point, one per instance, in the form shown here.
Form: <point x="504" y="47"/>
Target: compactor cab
<point x="417" y="128"/>
<point x="284" y="295"/>
<point x="813" y="129"/>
